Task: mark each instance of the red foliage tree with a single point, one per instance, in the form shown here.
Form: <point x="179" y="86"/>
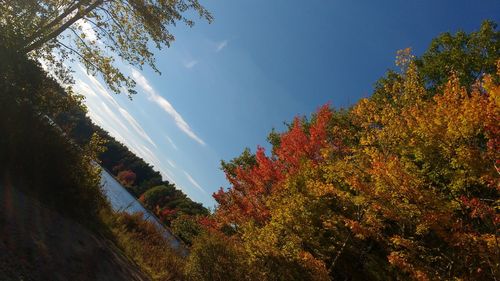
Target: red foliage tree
<point x="250" y="186"/>
<point x="127" y="177"/>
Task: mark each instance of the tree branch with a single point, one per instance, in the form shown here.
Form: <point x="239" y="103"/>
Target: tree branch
<point x="111" y="17"/>
<point x="81" y="56"/>
<point x="104" y="31"/>
<point x="37" y="44"/>
<point x="45" y="28"/>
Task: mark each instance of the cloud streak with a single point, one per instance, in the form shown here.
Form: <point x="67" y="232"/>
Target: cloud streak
<point x="135" y="125"/>
<point x="166" y="106"/>
<point x="171" y="163"/>
<point x="172" y="143"/>
<point x="107" y="113"/>
<point x="195" y="183"/>
<point x="190" y="64"/>
<point x="107" y="97"/>
<point x="221" y="45"/>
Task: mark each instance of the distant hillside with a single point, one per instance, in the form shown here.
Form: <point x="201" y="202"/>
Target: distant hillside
<point x="132" y="171"/>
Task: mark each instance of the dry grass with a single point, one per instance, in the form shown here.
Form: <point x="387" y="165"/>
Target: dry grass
<point x="142" y="242"/>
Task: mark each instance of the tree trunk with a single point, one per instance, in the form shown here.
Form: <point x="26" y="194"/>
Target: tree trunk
<point x="44" y="39"/>
<point x="47" y="27"/>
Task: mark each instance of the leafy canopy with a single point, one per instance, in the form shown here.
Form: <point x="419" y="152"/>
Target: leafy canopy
<point x="402" y="186"/>
<point x="100" y="34"/>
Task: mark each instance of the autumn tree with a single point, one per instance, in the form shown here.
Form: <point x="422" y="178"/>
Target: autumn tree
<point x="95" y="32"/>
<point x="168" y="203"/>
<point x="404" y="185"/>
<point x="126" y="177"/>
<point x="216" y="257"/>
<point x="255" y="177"/>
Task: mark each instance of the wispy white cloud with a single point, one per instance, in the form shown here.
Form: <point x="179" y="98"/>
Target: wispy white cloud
<point x="98" y="113"/>
<point x="221" y="45"/>
<point x="172" y="143"/>
<point x="107" y="113"/>
<point x="190" y="64"/>
<point x="171" y="163"/>
<point x="101" y="114"/>
<point x="194" y="182"/>
<point x="101" y="91"/>
<point x="135" y="125"/>
<point x="111" y="115"/>
<point x="99" y="87"/>
<point x="84" y="88"/>
<point x="165" y="105"/>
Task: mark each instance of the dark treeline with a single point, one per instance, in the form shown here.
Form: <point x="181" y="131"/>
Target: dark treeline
<point x="35" y="155"/>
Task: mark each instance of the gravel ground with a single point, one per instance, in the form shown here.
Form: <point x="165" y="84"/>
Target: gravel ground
<point x="39" y="244"/>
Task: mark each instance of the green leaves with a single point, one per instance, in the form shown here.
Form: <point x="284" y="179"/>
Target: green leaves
<point x="97" y="33"/>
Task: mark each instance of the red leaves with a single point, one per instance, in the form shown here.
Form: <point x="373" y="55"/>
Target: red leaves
<point x="126" y="178"/>
<point x="207" y="222"/>
<point x="297" y="145"/>
<point x="249" y="188"/>
<point x="293" y="146"/>
<point x="478" y="209"/>
<point x="165" y="215"/>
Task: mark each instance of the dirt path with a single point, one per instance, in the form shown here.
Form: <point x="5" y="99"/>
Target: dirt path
<point x="39" y="244"/>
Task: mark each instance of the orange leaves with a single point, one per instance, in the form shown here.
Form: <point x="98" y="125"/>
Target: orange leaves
<point x="250" y="186"/>
<point x="293" y="145"/>
<point x="478" y="209"/>
<point x="297" y="145"/>
<point x="399" y="260"/>
<point x="423" y="164"/>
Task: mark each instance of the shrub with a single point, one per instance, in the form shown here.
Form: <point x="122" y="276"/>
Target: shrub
<point x="144" y="243"/>
<point x="214" y="257"/>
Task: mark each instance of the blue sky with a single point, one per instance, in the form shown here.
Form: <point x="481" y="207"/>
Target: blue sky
<point x="225" y="85"/>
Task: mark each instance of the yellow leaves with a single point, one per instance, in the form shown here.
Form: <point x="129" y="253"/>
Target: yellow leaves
<point x="404" y="57"/>
<point x="491" y="242"/>
<point x="359" y="230"/>
<point x="422" y="228"/>
<point x="402" y="242"/>
<point x="364" y="113"/>
<point x="319" y="188"/>
<point x="316" y="266"/>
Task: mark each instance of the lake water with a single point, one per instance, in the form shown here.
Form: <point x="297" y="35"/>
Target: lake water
<point x="122" y="200"/>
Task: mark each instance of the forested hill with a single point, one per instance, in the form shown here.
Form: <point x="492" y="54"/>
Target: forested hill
<point x="138" y="176"/>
